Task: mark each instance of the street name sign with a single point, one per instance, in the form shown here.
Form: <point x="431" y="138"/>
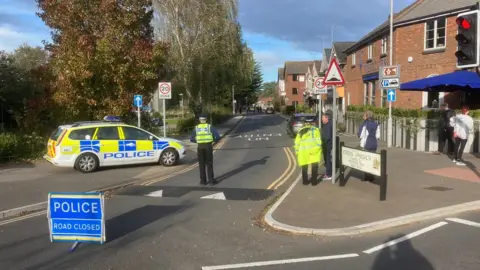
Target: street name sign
<point x="76" y="217"/>
<point x="165" y="90"/>
<point x="361" y="160"/>
<point x="334" y="75"/>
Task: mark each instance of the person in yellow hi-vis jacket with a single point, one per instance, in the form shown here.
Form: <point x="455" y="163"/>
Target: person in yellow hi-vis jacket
<point x="308" y="147"/>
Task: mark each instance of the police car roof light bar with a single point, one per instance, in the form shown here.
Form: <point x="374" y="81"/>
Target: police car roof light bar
<point x="111" y="118"/>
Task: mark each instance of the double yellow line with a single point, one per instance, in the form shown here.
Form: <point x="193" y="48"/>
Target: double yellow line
<point x="292" y="166"/>
<point x="191" y="167"/>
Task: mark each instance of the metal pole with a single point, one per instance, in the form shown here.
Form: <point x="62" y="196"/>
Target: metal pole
<point x="164" y="120"/>
<point x="182" y="107"/>
<point x="334" y="137"/>
<point x="139" y="117"/>
<point x="389" y="124"/>
<point x="233" y="99"/>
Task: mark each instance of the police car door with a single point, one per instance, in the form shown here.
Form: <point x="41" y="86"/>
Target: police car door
<point x="108" y="137"/>
<point x="139" y="145"/>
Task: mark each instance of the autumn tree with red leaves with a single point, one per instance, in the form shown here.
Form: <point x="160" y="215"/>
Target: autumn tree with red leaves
<point x="102" y="54"/>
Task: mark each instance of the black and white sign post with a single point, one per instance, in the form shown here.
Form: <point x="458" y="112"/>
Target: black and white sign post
<point x="164" y="92"/>
<point x="334" y="77"/>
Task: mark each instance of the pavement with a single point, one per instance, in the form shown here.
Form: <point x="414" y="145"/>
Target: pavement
<point x="191" y="227"/>
<point x="24" y="187"/>
<point x="420" y="186"/>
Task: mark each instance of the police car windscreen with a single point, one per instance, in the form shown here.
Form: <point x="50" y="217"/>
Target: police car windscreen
<point x="56" y="134"/>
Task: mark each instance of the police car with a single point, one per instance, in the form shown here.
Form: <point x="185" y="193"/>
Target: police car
<point x="86" y="146"/>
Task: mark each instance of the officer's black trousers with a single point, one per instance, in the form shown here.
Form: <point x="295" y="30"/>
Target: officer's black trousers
<point x="205" y="161"/>
<point x="314" y="178"/>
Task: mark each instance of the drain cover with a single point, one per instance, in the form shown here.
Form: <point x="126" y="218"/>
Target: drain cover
<point x="437" y="188"/>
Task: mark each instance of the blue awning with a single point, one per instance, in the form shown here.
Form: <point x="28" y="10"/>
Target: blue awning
<point x="370" y="77"/>
<point x="450" y="82"/>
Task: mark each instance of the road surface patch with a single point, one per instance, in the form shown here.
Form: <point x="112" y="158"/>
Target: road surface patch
<point x="279" y="262"/>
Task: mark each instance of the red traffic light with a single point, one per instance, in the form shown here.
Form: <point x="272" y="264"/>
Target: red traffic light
<point x="463" y="23"/>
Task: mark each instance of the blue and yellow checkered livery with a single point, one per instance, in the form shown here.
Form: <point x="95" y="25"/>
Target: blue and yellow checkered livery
<point x="123" y="146"/>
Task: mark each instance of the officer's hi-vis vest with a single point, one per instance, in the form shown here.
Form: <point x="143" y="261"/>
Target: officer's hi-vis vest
<point x="203" y="133"/>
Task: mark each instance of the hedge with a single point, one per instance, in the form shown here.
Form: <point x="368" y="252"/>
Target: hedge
<point x="21" y="147"/>
<point x="404" y="113"/>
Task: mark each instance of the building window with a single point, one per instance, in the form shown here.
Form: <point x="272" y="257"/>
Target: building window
<point x="370" y="52"/>
<point x="354" y="59"/>
<point x="435" y="37"/>
<point x="295" y="77"/>
<point x="372" y="93"/>
<point x="384" y="45"/>
<point x="301" y="78"/>
<point x="365" y="94"/>
<point x="384" y="98"/>
<point x="294" y="91"/>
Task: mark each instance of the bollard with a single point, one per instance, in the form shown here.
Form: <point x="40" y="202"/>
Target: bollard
<point x="383" y="172"/>
<point x="342" y="168"/>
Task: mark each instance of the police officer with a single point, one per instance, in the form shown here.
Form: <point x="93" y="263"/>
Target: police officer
<point x="308" y="146"/>
<point x="205" y="135"/>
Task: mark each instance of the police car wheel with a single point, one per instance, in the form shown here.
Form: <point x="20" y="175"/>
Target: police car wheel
<point x="86" y="163"/>
<point x="169" y="157"/>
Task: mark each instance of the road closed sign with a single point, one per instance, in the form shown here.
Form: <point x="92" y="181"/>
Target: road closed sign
<point x="76" y="217"/>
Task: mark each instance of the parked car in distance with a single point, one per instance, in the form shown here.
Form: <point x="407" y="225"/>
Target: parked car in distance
<point x="297" y="121"/>
<point x="269" y="110"/>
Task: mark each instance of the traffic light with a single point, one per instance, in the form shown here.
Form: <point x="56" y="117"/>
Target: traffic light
<point x="467" y="40"/>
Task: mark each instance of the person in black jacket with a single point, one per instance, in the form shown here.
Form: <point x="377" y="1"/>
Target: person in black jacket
<point x="445" y="130"/>
<point x="327" y="143"/>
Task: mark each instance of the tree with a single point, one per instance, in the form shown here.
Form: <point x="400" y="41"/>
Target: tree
<point x="102" y="54"/>
<point x="255" y="84"/>
<point x="207" y="52"/>
<point x="26" y="57"/>
<point x="269" y="89"/>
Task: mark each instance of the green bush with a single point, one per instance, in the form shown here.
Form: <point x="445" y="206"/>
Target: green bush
<point x="21" y="147"/>
<point x="185" y="125"/>
<point x="397" y="112"/>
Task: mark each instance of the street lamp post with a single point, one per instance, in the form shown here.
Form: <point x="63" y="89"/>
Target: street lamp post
<point x="181" y="104"/>
<point x="389" y="122"/>
<point x="233" y="99"/>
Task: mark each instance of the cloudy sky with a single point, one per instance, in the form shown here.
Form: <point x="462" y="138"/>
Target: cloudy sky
<point x="277" y="30"/>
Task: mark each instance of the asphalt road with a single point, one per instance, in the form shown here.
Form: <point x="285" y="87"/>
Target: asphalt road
<point x="180" y="230"/>
<point x="25" y="184"/>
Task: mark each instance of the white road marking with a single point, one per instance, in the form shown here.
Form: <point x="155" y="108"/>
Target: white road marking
<point x="406" y="237"/>
<point x="216" y="196"/>
<point x="158" y="193"/>
<point x="8" y="221"/>
<point x="464" y="221"/>
<point x="288" y="261"/>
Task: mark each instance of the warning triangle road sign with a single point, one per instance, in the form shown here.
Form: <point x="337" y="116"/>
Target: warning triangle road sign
<point x="334" y="76"/>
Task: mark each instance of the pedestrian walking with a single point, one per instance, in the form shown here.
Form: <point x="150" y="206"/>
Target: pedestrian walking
<point x="445" y="130"/>
<point x="462" y="128"/>
<point x="369" y="135"/>
<point x="308" y="146"/>
<point x="327" y="143"/>
<point x="205" y="135"/>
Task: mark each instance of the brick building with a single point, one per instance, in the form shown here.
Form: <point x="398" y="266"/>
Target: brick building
<point x="423" y="44"/>
<point x="294" y="80"/>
